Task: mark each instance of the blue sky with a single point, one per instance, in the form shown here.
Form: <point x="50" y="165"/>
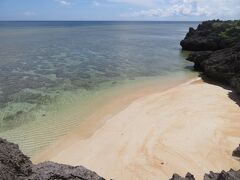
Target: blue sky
<point x="119" y="9"/>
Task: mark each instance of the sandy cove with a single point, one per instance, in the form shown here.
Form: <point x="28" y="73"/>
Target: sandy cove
<point x="193" y="127"/>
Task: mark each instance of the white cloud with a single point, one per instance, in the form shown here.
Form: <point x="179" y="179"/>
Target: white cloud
<point x="63" y="2"/>
<point x="197" y="8"/>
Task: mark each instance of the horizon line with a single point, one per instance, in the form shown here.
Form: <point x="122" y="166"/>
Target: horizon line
<point x="102" y="20"/>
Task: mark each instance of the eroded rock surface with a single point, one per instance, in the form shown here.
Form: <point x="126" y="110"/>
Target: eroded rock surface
<point x="14" y="165"/>
<point x="236" y="152"/>
<point x="50" y="170"/>
<point x="230" y="175"/>
<point x="212" y="35"/>
<point x="217" y="50"/>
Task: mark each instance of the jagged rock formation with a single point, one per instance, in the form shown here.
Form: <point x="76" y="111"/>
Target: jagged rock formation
<point x="212" y="35"/>
<point x="236" y="152"/>
<point x="14" y="165"/>
<point x="50" y="170"/>
<point x="221" y="65"/>
<point x="188" y="176"/>
<point x="230" y="175"/>
<point x="217" y="46"/>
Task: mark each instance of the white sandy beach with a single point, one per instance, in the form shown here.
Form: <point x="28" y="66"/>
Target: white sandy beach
<point x="193" y="128"/>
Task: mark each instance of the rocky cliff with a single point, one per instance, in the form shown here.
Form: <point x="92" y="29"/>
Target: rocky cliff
<point x="14" y="165"/>
<point x="212" y="36"/>
<point x="216" y="46"/>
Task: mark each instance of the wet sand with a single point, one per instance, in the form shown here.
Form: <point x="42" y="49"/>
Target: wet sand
<point x="189" y="128"/>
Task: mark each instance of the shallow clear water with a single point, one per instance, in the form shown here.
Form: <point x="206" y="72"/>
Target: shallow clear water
<point x="48" y="66"/>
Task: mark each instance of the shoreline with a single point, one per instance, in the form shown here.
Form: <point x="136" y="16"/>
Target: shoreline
<point x="71" y="110"/>
<point x="193" y="139"/>
<point x="114" y="103"/>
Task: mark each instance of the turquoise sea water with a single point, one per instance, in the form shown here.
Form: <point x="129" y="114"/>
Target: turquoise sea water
<point x="46" y="67"/>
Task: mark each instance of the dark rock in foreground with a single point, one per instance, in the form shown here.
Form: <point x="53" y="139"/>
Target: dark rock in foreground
<point x="188" y="176"/>
<point x="230" y="175"/>
<point x="236" y="152"/>
<point x="14" y="165"/>
<point x="50" y="170"/>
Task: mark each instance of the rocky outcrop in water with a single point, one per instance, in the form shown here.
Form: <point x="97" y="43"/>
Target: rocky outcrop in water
<point x="188" y="176"/>
<point x="217" y="50"/>
<point x="236" y="152"/>
<point x="14" y="165"/>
